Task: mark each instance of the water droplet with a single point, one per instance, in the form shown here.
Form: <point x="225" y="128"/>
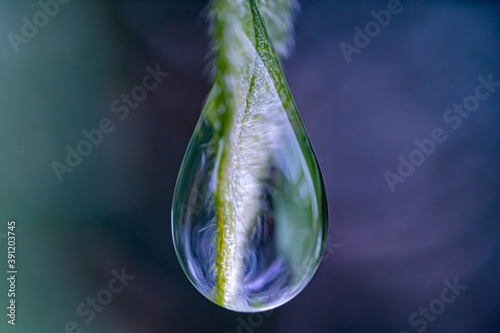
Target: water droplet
<point x="249" y="214"/>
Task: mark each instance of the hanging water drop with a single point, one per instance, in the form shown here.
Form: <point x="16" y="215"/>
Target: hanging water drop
<point x="249" y="214"/>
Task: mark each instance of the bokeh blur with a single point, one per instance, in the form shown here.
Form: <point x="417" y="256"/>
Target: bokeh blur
<point x="414" y="218"/>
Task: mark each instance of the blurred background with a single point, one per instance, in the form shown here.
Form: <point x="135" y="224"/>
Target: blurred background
<point x="392" y="251"/>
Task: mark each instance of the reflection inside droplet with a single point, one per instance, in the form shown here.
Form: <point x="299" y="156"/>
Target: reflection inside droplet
<point x="249" y="215"/>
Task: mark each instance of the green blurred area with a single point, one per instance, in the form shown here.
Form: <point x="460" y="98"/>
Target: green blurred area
<point x="58" y="84"/>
